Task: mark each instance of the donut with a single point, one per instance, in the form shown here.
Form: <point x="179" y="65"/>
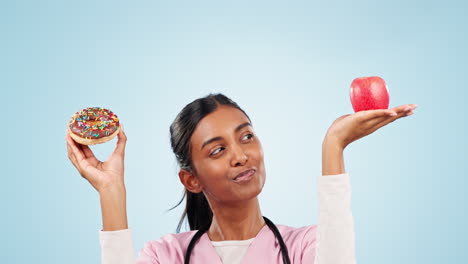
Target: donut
<point x="93" y="125"/>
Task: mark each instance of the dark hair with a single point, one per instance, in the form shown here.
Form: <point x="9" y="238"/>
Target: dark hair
<point x="197" y="209"/>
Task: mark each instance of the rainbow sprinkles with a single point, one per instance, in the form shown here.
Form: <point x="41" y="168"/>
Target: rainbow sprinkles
<point x="93" y="123"/>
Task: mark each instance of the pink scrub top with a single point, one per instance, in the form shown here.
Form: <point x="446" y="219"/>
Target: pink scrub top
<point x="331" y="241"/>
<point x="263" y="249"/>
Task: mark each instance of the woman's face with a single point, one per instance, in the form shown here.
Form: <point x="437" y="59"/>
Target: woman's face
<point x="224" y="145"/>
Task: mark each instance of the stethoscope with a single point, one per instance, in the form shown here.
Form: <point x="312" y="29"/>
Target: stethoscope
<point x="201" y="231"/>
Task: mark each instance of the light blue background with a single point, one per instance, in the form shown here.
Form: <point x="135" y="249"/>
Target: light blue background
<point x="289" y="64"/>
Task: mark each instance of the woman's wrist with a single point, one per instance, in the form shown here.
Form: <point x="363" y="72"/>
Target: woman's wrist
<point x="114" y="208"/>
<point x="332" y="156"/>
<point x="332" y="139"/>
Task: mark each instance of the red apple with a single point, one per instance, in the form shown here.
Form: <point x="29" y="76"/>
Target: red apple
<point x="369" y="93"/>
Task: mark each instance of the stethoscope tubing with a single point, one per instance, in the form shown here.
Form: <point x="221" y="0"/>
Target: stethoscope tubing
<point x="271" y="225"/>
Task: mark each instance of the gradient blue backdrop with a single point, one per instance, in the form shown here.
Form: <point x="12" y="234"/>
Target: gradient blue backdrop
<point x="289" y="64"/>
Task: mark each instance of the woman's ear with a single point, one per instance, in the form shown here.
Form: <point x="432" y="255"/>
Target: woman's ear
<point x="190" y="181"/>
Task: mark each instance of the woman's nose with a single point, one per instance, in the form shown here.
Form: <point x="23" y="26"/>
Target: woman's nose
<point x="239" y="157"/>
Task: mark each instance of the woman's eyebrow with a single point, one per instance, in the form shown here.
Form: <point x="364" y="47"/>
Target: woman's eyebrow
<point x="239" y="127"/>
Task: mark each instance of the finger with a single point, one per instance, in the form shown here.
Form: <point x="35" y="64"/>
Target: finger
<point x="89" y="155"/>
<point x="404" y="108"/>
<point x="404" y="112"/>
<point x="83" y="166"/>
<point x="78" y="153"/>
<point x="70" y="152"/>
<point x="74" y="161"/>
<point x="369" y="115"/>
<point x="392" y="115"/>
<point x="87" y="151"/>
<point x="71" y="156"/>
<point x="121" y="142"/>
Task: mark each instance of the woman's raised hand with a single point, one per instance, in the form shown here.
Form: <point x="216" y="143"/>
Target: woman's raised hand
<point x="101" y="175"/>
<point x="349" y="128"/>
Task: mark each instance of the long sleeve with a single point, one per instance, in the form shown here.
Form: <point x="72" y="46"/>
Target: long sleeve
<point x="335" y="228"/>
<point x="117" y="247"/>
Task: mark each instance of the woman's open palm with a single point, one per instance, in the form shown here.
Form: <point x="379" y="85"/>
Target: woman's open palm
<point x="349" y="128"/>
<point x="101" y="175"/>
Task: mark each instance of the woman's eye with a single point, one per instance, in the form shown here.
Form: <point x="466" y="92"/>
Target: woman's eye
<point x="216" y="151"/>
<point x="248" y="136"/>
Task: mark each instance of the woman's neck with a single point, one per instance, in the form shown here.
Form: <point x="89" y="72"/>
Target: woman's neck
<point x="236" y="222"/>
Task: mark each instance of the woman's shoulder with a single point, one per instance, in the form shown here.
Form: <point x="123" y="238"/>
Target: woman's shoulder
<point x="170" y="247"/>
<point x="300" y="241"/>
<point x="286" y="229"/>
<point x="182" y="238"/>
<point x="294" y="234"/>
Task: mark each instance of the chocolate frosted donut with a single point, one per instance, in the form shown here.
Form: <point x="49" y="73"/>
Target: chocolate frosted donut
<point x="93" y="125"/>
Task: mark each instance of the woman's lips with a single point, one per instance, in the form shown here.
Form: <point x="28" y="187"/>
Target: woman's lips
<point x="245" y="176"/>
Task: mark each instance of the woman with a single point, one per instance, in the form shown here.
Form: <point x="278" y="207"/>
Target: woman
<point x="222" y="170"/>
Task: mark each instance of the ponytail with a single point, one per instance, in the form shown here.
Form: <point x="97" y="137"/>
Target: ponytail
<point x="197" y="210"/>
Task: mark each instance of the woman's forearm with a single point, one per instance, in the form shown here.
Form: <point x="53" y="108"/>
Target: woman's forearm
<point x="114" y="209"/>
<point x="332" y="156"/>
